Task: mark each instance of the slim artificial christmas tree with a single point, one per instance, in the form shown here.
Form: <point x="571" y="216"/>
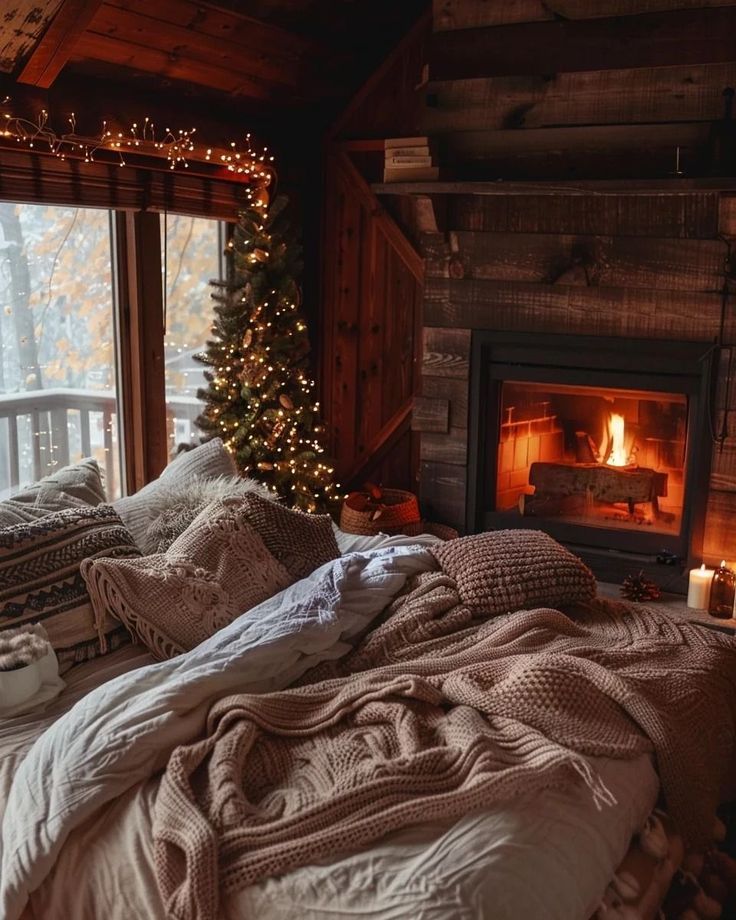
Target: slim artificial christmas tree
<point x="259" y="397"/>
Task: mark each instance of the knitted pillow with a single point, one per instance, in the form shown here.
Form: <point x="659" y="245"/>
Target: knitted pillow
<point x="216" y="570"/>
<point x="76" y="486"/>
<point x="301" y="542"/>
<point x="176" y="505"/>
<point x="208" y="461"/>
<point x="507" y="570"/>
<point x="40" y="579"/>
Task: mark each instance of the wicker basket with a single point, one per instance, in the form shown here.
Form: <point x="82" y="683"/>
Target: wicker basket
<point x="393" y="513"/>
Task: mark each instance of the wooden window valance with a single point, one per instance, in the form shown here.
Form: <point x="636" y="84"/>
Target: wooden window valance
<point x="35" y="178"/>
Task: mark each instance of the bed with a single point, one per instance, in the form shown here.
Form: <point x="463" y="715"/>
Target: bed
<point x="83" y="833"/>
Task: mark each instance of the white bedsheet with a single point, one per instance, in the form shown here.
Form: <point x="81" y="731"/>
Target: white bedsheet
<point x="544" y="856"/>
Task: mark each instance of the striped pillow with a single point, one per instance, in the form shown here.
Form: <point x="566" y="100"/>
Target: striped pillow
<point x="40" y="581"/>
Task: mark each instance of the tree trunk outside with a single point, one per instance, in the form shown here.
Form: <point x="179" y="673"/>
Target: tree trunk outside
<point x="20" y="297"/>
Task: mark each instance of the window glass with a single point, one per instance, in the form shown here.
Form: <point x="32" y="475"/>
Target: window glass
<point x="191" y="257"/>
<point x="58" y="393"/>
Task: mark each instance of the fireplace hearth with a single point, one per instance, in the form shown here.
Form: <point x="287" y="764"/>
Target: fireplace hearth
<point x="603" y="443"/>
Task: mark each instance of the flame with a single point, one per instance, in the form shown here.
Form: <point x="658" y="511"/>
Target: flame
<point x="617" y="455"/>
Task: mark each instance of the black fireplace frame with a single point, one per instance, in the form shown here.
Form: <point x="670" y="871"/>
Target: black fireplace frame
<point x="638" y="364"/>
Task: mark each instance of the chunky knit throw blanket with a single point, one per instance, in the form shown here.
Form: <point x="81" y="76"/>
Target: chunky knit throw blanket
<point x="436" y="713"/>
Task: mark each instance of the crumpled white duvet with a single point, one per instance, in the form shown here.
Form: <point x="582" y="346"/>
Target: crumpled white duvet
<point x="123" y="732"/>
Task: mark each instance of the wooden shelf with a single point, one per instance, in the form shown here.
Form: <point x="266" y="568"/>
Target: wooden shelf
<point x="674" y="606"/>
<point x="560" y="187"/>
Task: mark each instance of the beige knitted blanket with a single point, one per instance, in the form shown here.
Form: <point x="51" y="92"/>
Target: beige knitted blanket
<point x="436" y="714"/>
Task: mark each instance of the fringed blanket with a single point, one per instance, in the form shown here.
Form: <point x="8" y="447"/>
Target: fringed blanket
<point x="435" y="714"/>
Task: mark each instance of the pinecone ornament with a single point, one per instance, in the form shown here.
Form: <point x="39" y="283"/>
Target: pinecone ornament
<point x="638" y="588"/>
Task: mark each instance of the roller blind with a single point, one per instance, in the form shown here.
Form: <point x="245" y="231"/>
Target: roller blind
<point x="34" y="178"/>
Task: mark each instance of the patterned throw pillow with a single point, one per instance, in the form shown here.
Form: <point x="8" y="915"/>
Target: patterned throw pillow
<point x="506" y="570"/>
<point x="208" y="461"/>
<point x="301" y="542"/>
<point x="40" y="581"/>
<point x="216" y="570"/>
<point x="76" y="486"/>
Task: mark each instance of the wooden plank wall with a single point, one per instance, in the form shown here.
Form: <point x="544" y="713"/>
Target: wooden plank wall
<point x="370" y="351"/>
<point x="578" y="88"/>
<point x="559" y="100"/>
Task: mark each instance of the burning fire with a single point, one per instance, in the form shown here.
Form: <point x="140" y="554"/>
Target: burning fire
<point x="617" y="455"/>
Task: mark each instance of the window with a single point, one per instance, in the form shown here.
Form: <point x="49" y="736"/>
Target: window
<point x="65" y="289"/>
<point x="191" y="255"/>
<point x="58" y="392"/>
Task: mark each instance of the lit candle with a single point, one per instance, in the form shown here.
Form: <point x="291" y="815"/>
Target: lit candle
<point x="698" y="591"/>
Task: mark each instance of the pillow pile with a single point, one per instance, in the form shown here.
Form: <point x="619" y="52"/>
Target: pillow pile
<point x="217" y="546"/>
<point x="40" y="578"/>
<point x="507" y="570"/>
<point x="216" y="570"/>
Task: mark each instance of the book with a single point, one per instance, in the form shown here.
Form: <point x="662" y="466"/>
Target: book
<point x="408" y="161"/>
<point x="405" y="142"/>
<point x="421" y="151"/>
<point x="410" y="173"/>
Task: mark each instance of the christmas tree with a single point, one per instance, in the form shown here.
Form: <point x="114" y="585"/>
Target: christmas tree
<point x="259" y="398"/>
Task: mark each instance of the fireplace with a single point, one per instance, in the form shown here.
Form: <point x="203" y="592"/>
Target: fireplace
<point x="603" y="443"/>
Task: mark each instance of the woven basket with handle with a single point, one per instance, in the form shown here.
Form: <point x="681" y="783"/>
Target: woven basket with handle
<point x="379" y="511"/>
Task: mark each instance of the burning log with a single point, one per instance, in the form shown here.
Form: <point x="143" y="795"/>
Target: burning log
<point x="556" y="483"/>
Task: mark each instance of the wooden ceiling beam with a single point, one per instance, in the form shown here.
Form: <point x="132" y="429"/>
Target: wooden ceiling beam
<point x="189" y="44"/>
<point x="57" y="43"/>
<point x="702" y="36"/>
<point x="227" y="24"/>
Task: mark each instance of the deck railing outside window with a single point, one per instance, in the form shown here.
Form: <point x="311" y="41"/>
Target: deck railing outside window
<point x="63" y="426"/>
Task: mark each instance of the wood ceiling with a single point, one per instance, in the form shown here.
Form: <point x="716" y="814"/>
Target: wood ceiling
<point x="252" y="54"/>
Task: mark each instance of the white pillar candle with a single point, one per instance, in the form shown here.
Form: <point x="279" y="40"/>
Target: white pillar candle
<point x="698" y="590"/>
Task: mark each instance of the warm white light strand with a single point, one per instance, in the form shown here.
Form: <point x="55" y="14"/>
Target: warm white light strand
<point x="141" y="139"/>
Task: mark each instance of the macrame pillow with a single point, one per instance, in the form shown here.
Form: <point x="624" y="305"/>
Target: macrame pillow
<point x="301" y="542"/>
<point x="176" y="505"/>
<point x="506" y="570"/>
<point x="216" y="570"/>
<point x="208" y="461"/>
<point x="40" y="580"/>
<point x="76" y="486"/>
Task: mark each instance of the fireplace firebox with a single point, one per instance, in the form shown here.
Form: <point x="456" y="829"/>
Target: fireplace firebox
<point x="603" y="443"/>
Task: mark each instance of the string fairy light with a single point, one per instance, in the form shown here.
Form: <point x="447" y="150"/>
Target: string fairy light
<point x="140" y="139"/>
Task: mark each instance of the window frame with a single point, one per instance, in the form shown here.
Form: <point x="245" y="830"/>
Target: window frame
<point x="139" y="326"/>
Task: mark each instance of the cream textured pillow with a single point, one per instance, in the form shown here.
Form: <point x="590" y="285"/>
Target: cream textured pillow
<point x="216" y="570"/>
<point x="76" y="486"/>
<point x="208" y="461"/>
<point x="506" y="570"/>
<point x="301" y="542"/>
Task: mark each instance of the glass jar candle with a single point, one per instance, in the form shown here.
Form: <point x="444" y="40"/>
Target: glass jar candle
<point x="722" y="591"/>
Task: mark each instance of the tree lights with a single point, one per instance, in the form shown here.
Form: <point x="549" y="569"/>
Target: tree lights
<point x="260" y="397"/>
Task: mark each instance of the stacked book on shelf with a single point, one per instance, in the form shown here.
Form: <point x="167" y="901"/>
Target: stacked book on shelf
<point x="408" y="159"/>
